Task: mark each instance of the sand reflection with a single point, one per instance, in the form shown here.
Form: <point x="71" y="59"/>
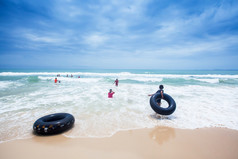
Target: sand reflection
<point x="162" y="134"/>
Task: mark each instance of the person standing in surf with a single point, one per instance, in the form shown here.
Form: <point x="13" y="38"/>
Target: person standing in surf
<point x="110" y="93"/>
<point x="161" y="91"/>
<point x="116" y="82"/>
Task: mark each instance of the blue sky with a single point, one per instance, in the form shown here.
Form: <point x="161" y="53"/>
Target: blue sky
<point x="119" y="34"/>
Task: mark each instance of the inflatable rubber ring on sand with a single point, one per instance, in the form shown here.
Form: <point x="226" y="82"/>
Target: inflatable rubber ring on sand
<point x="160" y="110"/>
<point x="53" y="123"/>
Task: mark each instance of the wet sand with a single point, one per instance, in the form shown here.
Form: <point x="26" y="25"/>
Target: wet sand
<point x="155" y="143"/>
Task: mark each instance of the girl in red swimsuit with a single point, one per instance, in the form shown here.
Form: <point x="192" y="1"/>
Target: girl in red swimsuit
<point x="110" y="93"/>
<point x="116" y="82"/>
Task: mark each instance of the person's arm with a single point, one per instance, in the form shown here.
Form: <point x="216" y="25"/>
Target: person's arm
<point x="150" y="94"/>
<point x="162" y="94"/>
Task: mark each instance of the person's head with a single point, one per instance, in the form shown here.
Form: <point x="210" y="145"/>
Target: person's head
<point x="110" y="90"/>
<point x="161" y="87"/>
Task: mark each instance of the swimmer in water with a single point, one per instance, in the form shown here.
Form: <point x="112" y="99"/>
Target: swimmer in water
<point x="110" y="93"/>
<point x="116" y="82"/>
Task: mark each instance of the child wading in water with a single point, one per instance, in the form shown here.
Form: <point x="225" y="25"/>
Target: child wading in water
<point x="161" y="91"/>
<point x="110" y="93"/>
<point x="116" y="82"/>
<point x="55" y="80"/>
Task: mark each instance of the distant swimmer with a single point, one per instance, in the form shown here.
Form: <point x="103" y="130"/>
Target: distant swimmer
<point x="110" y="93"/>
<point x="116" y="82"/>
<point x="71" y="75"/>
<point x="78" y="76"/>
<point x="67" y="75"/>
<point x="55" y="80"/>
<point x="161" y="91"/>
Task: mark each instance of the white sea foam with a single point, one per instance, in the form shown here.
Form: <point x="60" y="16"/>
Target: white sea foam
<point x="142" y="79"/>
<point x="209" y="80"/>
<point x="5" y="84"/>
<point x="206" y="105"/>
<point x="9" y="84"/>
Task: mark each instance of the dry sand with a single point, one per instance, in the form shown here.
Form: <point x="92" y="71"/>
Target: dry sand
<point x="156" y="143"/>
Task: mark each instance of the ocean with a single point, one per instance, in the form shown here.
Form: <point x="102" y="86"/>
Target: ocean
<point x="204" y="99"/>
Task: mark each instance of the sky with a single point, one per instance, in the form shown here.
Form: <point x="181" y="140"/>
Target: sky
<point x="119" y="34"/>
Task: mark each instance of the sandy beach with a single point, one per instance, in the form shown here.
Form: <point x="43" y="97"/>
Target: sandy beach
<point x="159" y="142"/>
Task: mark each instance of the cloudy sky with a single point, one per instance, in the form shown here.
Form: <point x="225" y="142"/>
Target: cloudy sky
<point x="119" y="34"/>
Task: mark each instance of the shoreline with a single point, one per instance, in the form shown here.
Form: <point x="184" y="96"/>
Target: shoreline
<point x="158" y="142"/>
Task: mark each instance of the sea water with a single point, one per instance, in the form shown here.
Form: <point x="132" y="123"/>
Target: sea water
<point x="203" y="98"/>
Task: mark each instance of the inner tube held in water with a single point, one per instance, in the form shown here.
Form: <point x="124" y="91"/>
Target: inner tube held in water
<point x="53" y="123"/>
<point x="160" y="110"/>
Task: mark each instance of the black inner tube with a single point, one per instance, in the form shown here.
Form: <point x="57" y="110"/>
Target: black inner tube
<point x="160" y="110"/>
<point x="54" y="118"/>
<point x="53" y="123"/>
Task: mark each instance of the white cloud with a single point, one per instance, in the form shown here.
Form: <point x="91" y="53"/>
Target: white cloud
<point x="38" y="38"/>
<point x="95" y="40"/>
<point x="125" y="30"/>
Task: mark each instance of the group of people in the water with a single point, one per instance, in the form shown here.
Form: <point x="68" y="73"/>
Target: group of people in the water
<point x="116" y="82"/>
<point x="58" y="75"/>
<point x="161" y="91"/>
<point x="71" y="76"/>
<point x="110" y="93"/>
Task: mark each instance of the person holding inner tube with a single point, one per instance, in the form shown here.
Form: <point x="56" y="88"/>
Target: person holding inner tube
<point x="161" y="91"/>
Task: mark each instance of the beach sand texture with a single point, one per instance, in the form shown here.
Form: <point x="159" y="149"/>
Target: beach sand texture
<point x="154" y="143"/>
